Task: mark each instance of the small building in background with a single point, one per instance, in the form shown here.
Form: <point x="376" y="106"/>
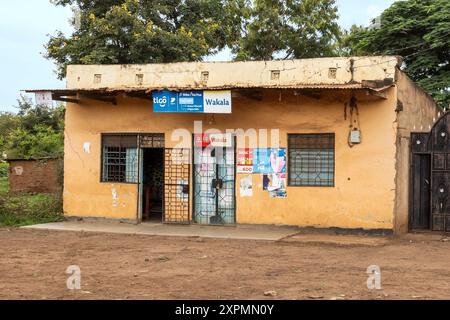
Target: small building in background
<point x="43" y="175"/>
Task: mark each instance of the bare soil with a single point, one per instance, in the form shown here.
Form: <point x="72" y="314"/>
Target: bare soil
<point x="113" y="266"/>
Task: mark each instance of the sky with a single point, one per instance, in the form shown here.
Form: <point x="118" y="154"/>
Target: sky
<point x="25" y="26"/>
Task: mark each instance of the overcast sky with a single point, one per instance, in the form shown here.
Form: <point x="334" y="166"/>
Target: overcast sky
<point x="25" y="24"/>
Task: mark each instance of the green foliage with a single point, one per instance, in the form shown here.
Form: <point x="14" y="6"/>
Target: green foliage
<point x="27" y="209"/>
<point x="418" y="30"/>
<point x="4" y="187"/>
<point x="288" y="29"/>
<point x="4" y="169"/>
<point x="41" y="141"/>
<point x="149" y="31"/>
<point x="35" y="132"/>
<point x="8" y="121"/>
<point x="141" y="31"/>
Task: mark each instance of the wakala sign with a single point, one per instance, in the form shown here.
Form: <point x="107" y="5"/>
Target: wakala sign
<point x="192" y="101"/>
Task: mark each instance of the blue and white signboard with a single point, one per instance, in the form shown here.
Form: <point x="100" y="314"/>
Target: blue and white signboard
<point x="192" y="101"/>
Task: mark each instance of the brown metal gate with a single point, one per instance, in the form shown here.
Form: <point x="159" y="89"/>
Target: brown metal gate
<point x="440" y="179"/>
<point x="176" y="186"/>
<point x="430" y="172"/>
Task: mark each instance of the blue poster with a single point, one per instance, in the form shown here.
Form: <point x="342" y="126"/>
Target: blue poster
<point x="269" y="160"/>
<point x="169" y="101"/>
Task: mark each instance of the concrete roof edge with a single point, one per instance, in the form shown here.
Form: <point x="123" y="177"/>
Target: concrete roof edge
<point x="236" y="62"/>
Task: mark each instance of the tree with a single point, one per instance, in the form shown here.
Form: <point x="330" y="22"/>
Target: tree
<point x="35" y="131"/>
<point x="150" y="31"/>
<point x="8" y="122"/>
<point x="288" y="29"/>
<point x="142" y="31"/>
<point x="418" y="30"/>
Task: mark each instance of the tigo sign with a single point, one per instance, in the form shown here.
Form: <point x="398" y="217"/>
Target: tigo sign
<point x="192" y="101"/>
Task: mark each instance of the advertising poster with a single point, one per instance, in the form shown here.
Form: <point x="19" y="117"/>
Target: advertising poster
<point x="269" y="161"/>
<point x="275" y="183"/>
<point x="278" y="189"/>
<point x="246" y="186"/>
<point x="244" y="159"/>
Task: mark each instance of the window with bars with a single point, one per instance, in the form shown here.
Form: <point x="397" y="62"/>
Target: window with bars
<point x="311" y="159"/>
<point x="119" y="158"/>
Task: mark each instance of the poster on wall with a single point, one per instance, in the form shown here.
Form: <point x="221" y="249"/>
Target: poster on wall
<point x="275" y="183"/>
<point x="269" y="161"/>
<point x="246" y="186"/>
<point x="244" y="159"/>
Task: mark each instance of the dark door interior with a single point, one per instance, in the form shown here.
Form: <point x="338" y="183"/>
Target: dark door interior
<point x="153" y="184"/>
<point x="421" y="175"/>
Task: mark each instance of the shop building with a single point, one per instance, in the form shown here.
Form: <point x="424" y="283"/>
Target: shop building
<point x="312" y="143"/>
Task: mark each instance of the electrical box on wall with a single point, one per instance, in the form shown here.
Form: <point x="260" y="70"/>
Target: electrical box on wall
<point x="355" y="136"/>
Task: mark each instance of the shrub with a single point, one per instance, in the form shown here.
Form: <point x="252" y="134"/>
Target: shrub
<point x="27" y="209"/>
<point x="3" y="169"/>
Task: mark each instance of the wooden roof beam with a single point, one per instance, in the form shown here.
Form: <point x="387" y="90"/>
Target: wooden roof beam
<point x="56" y="97"/>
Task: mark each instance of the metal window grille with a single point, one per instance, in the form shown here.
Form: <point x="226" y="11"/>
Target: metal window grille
<point x="152" y="140"/>
<point x="311" y="159"/>
<point x="119" y="158"/>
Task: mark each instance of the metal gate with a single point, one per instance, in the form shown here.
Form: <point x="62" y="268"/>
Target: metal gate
<point x="434" y="148"/>
<point x="176" y="186"/>
<point x="214" y="185"/>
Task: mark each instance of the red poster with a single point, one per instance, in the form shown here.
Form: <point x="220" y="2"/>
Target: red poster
<point x="244" y="159"/>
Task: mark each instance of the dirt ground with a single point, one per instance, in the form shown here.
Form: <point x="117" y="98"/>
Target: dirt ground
<point x="33" y="266"/>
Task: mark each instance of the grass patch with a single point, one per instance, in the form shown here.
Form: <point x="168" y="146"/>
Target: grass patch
<point x="18" y="210"/>
<point x="3" y="185"/>
<point x="23" y="209"/>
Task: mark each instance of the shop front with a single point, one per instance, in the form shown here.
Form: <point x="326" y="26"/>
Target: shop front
<point x="263" y="143"/>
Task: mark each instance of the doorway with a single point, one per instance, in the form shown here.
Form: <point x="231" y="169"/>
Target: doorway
<point x="214" y="185"/>
<point x="152" y="184"/>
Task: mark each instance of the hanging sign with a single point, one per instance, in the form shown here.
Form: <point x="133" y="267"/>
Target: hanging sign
<point x="221" y="140"/>
<point x="213" y="140"/>
<point x="44" y="98"/>
<point x="192" y="101"/>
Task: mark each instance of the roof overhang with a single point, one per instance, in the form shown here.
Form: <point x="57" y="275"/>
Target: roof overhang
<point x="375" y="88"/>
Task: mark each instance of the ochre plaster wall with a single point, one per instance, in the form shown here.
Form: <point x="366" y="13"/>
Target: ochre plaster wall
<point x="364" y="191"/>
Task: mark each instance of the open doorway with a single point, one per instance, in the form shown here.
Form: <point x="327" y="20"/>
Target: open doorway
<point x="153" y="184"/>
